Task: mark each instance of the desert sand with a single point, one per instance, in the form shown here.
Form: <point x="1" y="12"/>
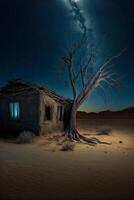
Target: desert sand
<point x="41" y="171"/>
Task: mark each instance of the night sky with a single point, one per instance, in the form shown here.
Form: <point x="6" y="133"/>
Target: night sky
<point x="34" y="35"/>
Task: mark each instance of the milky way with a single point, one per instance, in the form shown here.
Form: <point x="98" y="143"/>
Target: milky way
<point x="78" y="16"/>
<point x="81" y="18"/>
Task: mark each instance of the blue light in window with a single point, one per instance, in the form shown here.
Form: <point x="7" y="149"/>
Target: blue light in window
<point x="11" y="110"/>
<point x="15" y="110"/>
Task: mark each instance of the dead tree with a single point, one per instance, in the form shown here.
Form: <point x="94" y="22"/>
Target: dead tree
<point x="90" y="81"/>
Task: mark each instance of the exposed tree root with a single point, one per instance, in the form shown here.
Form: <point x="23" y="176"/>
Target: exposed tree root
<point x="73" y="134"/>
<point x="93" y="140"/>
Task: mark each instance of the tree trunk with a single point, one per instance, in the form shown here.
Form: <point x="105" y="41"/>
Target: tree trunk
<point x="72" y="133"/>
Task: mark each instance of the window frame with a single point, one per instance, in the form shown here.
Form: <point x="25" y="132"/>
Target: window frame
<point x="45" y="115"/>
<point x="12" y="110"/>
<point x="60" y="113"/>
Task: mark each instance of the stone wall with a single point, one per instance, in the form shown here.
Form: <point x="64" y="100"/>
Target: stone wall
<point x="29" y="113"/>
<point x="48" y="126"/>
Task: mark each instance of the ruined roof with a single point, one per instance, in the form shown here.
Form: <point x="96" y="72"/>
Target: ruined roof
<point x="19" y="86"/>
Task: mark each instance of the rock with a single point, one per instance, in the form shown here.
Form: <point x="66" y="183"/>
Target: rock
<point x="105" y="151"/>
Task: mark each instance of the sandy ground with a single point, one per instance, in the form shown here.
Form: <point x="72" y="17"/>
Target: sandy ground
<point x="41" y="171"/>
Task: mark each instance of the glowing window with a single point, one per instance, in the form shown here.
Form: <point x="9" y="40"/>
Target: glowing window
<point x="14" y="110"/>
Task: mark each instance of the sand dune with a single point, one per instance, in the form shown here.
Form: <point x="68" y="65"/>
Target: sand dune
<point x="41" y="171"/>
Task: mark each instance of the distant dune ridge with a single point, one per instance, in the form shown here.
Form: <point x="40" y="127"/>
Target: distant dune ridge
<point x="122" y="114"/>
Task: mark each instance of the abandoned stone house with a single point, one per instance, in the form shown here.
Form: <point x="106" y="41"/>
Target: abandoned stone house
<point x="25" y="106"/>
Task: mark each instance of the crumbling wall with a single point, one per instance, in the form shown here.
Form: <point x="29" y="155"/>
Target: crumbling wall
<point x="48" y="126"/>
<point x="29" y="113"/>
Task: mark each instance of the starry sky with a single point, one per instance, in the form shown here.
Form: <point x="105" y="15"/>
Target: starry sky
<point x="35" y="34"/>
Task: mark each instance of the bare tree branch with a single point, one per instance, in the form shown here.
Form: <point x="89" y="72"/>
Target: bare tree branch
<point x="102" y="75"/>
<point x="109" y="60"/>
<point x="72" y="77"/>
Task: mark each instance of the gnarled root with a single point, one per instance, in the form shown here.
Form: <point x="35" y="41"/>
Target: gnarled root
<point x="73" y="134"/>
<point x="93" y="140"/>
